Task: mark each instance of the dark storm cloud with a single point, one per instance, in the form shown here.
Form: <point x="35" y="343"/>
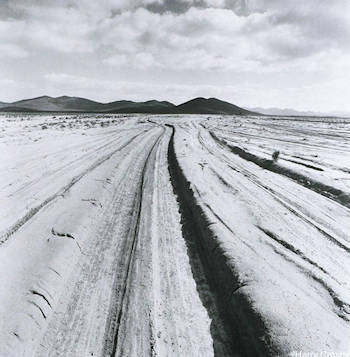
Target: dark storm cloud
<point x="174" y="6"/>
<point x="240" y="7"/>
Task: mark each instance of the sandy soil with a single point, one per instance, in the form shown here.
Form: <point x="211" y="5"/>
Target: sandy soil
<point x="173" y="235"/>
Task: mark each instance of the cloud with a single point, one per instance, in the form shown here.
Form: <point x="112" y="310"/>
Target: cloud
<point x="210" y="43"/>
<point x="10" y="50"/>
<point x="197" y="39"/>
<point x="172" y="6"/>
<point x="7" y="82"/>
<point x="72" y="81"/>
<point x="219" y="28"/>
<point x="57" y="28"/>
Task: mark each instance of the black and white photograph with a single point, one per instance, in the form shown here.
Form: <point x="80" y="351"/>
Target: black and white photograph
<point x="174" y="178"/>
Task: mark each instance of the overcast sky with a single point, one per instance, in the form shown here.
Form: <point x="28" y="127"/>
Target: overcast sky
<point x="268" y="53"/>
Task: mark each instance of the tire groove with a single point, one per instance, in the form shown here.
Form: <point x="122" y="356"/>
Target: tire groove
<point x="135" y="226"/>
<point x="243" y="324"/>
<point x="33" y="211"/>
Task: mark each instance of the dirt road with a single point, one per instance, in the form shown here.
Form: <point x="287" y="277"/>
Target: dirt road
<point x="154" y="236"/>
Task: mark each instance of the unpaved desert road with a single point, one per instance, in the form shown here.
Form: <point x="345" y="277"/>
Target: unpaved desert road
<point x="151" y="236"/>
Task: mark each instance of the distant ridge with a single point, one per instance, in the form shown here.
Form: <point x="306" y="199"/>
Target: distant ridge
<point x="77" y="104"/>
<point x="2" y="104"/>
<point x="293" y="112"/>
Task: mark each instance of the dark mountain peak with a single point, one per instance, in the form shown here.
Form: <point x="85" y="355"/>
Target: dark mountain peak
<point x="121" y="102"/>
<point x="211" y="106"/>
<point x="41" y="97"/>
<point x="196" y="100"/>
<point x="158" y="103"/>
<point x="215" y="100"/>
<point x="152" y="101"/>
<point x="33" y="99"/>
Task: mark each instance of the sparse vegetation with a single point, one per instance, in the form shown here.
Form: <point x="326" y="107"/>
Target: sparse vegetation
<point x="275" y="155"/>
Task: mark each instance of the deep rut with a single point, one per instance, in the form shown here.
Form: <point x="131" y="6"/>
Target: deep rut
<point x="243" y="327"/>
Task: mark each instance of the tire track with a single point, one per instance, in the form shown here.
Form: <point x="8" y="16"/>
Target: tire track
<point x="77" y="327"/>
<point x="241" y="322"/>
<point x="340" y="306"/>
<point x="128" y="252"/>
<point x="84" y="312"/>
<point x="65" y="167"/>
<point x="61" y="192"/>
<point x="330" y="192"/>
<point x="278" y="197"/>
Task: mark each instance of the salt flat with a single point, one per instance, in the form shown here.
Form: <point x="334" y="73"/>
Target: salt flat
<point x="138" y="235"/>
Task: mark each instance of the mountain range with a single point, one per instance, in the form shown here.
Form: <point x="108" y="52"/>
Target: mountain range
<point x="76" y="104"/>
<point x="293" y="112"/>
